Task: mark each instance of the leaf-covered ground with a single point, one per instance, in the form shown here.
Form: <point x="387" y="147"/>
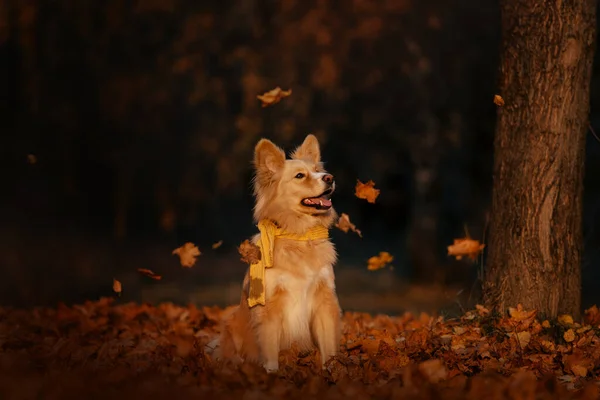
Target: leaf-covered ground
<point x="103" y="350"/>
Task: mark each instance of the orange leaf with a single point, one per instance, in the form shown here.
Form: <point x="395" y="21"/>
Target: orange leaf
<point x="117" y="288"/>
<point x="380" y="261"/>
<point x="366" y="191"/>
<point x="465" y="247"/>
<point x="149" y="274"/>
<point x="345" y="225"/>
<point x="273" y="96"/>
<point x="187" y="254"/>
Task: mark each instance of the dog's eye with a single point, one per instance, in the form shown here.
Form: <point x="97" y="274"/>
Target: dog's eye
<point x="299" y="175"/>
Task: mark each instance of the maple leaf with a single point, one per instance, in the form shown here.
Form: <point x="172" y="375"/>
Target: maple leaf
<point x="249" y="251"/>
<point x="273" y="96"/>
<point x="465" y="247"/>
<point x="498" y="100"/>
<point x="380" y="261"/>
<point x="366" y="191"/>
<point x="344" y="224"/>
<point x="149" y="273"/>
<point x="519" y="314"/>
<point x="117" y="287"/>
<point x="217" y="245"/>
<point x="187" y="254"/>
<point x="522" y="339"/>
<point x="565" y="319"/>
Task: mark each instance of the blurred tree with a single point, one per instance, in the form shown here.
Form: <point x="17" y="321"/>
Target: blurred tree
<point x="535" y="241"/>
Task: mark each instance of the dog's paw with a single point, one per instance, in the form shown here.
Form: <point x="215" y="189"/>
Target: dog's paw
<point x="272" y="367"/>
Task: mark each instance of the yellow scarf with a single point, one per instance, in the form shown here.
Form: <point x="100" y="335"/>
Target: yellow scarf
<point x="268" y="233"/>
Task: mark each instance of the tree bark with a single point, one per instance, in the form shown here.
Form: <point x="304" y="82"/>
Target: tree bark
<point x="535" y="241"/>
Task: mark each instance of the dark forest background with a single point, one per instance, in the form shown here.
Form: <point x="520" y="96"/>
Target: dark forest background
<point x="128" y="129"/>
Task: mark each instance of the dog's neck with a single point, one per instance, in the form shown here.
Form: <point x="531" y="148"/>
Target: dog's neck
<point x="299" y="224"/>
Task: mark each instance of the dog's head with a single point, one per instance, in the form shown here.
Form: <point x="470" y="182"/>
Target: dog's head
<point x="295" y="193"/>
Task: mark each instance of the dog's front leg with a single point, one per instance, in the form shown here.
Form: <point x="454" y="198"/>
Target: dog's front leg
<point x="268" y="322"/>
<point x="326" y="322"/>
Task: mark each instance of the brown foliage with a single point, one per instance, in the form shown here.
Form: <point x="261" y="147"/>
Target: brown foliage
<point x="98" y="347"/>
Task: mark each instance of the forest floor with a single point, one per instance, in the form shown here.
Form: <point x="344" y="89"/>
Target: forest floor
<point x="108" y="349"/>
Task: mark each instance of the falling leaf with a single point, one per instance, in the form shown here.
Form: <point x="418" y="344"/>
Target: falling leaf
<point x="498" y="100"/>
<point x="31" y="159"/>
<point x="250" y="252"/>
<point x="273" y="96"/>
<point x="465" y="247"/>
<point x="187" y="254"/>
<point x="217" y="245"/>
<point x="366" y="191"/>
<point x="117" y="288"/>
<point x="149" y="274"/>
<point x="344" y="224"/>
<point x="569" y="336"/>
<point x="380" y="261"/>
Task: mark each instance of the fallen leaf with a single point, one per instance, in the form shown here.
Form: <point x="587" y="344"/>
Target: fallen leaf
<point x="565" y="319"/>
<point x="273" y="96"/>
<point x="217" y="245"/>
<point x="250" y="252"/>
<point x="149" y="273"/>
<point x="117" y="288"/>
<point x="434" y="370"/>
<point x="187" y="254"/>
<point x="465" y="247"/>
<point x="380" y="261"/>
<point x="366" y="191"/>
<point x="344" y="224"/>
<point x="522" y="339"/>
<point x="546" y="324"/>
<point x="592" y="316"/>
<point x="498" y="100"/>
<point x="31" y="159"/>
<point x="569" y="336"/>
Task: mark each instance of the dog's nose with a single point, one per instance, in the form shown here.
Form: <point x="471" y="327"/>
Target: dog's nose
<point x="328" y="179"/>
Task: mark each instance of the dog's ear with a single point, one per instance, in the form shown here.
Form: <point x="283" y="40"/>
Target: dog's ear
<point x="268" y="157"/>
<point x="309" y="150"/>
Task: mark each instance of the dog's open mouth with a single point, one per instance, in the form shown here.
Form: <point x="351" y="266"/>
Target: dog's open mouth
<point x="322" y="202"/>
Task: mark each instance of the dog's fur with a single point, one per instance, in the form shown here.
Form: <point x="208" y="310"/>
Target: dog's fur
<point x="301" y="303"/>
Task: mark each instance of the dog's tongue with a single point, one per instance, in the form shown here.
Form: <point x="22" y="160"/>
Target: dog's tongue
<point x="321" y="201"/>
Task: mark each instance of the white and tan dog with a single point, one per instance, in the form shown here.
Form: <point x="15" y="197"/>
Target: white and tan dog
<point x="289" y="295"/>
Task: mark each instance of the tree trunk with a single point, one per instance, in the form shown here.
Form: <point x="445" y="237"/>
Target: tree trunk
<point x="535" y="241"/>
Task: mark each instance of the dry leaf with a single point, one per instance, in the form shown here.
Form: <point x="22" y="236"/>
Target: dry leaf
<point x="498" y="100"/>
<point x="522" y="339"/>
<point x="217" y="245"/>
<point x="546" y="324"/>
<point x="344" y="224"/>
<point x="117" y="288"/>
<point x="565" y="319"/>
<point x="569" y="336"/>
<point x="31" y="159"/>
<point x="273" y="96"/>
<point x="434" y="370"/>
<point x="465" y="247"/>
<point x="187" y="254"/>
<point x="250" y="252"/>
<point x="149" y="274"/>
<point x="380" y="261"/>
<point x="592" y="316"/>
<point x="366" y="191"/>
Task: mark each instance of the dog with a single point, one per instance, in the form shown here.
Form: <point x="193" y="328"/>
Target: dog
<point x="289" y="296"/>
